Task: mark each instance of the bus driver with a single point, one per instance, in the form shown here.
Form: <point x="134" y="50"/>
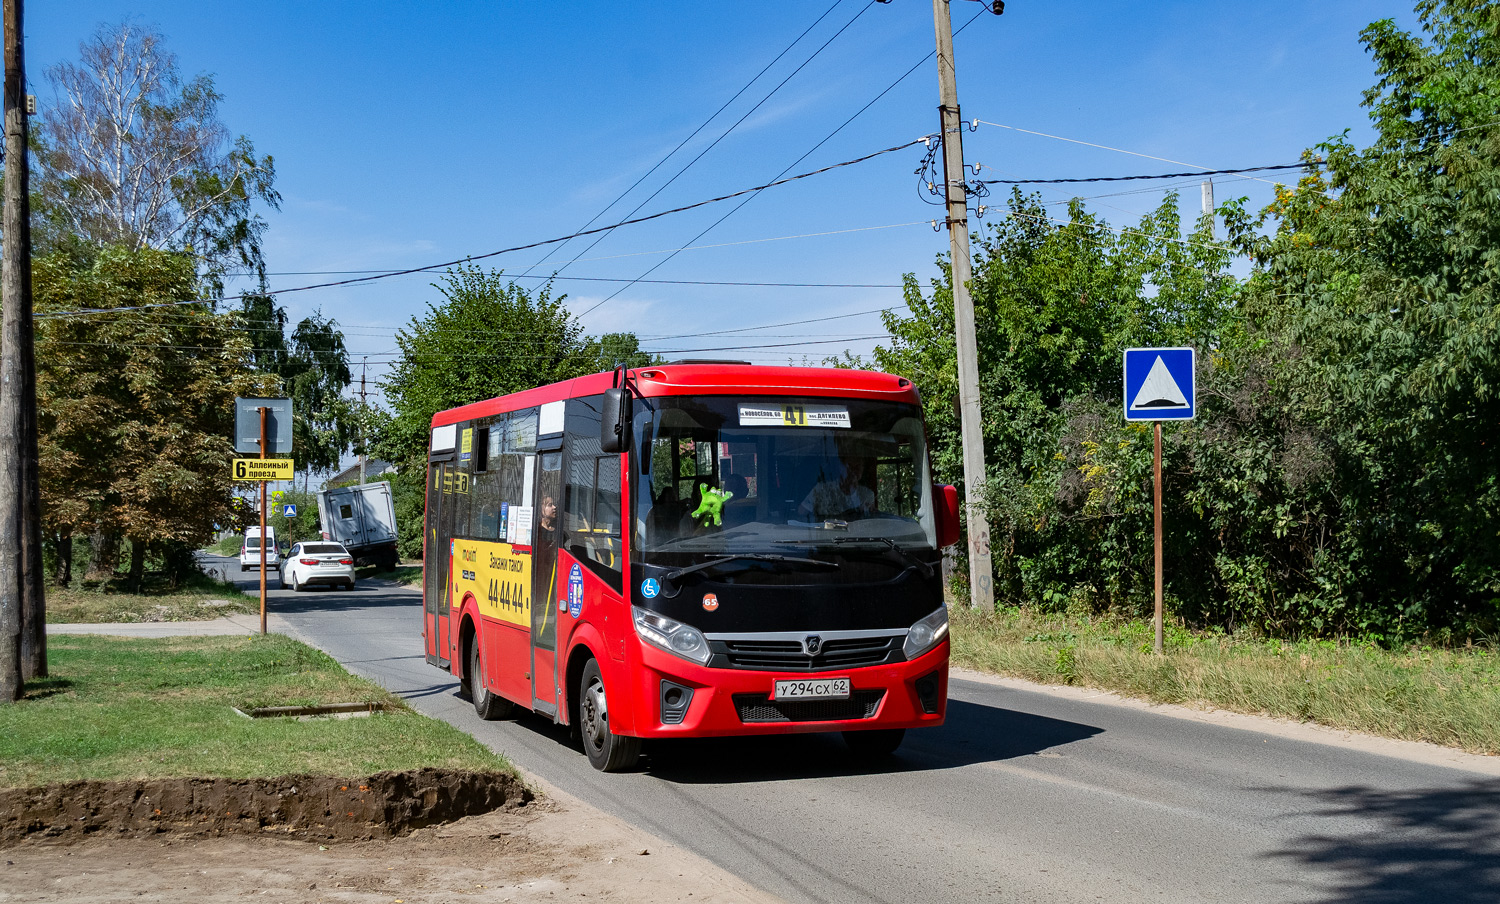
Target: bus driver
<point x="845" y="497"/>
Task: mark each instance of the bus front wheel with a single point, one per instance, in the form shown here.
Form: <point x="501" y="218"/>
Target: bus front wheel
<point x="608" y="752"/>
<point x="488" y="704"/>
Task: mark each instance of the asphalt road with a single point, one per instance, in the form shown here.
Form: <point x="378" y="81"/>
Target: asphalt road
<point x="1021" y="796"/>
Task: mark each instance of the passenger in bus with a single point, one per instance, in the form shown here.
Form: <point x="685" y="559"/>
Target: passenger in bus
<point x="548" y="522"/>
<point x="738" y="485"/>
<point x="544" y="546"/>
<point x="844" y="497"/>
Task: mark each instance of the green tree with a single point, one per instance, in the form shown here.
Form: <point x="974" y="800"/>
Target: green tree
<point x="136" y="404"/>
<point x="1376" y="295"/>
<point x="612" y="349"/>
<point x="487" y="337"/>
<point x="315" y="376"/>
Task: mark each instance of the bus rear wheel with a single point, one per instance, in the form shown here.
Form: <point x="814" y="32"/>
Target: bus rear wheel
<point x="607" y="751"/>
<point x="876" y="743"/>
<point x="488" y="704"/>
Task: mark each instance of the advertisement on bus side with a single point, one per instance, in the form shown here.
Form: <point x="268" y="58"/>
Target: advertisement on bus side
<point x="499" y="577"/>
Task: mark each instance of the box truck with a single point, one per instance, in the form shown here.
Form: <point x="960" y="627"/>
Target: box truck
<point x="363" y="518"/>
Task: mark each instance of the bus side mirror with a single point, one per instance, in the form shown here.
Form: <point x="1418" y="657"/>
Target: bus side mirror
<point x="614" y="420"/>
<point x="945" y="500"/>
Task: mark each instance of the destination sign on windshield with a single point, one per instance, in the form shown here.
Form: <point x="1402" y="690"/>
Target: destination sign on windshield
<point x="776" y="414"/>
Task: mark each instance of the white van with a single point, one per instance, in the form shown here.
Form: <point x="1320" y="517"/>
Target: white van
<point x="250" y="549"/>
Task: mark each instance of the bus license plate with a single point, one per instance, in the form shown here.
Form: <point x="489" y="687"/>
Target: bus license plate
<point x="812" y="689"/>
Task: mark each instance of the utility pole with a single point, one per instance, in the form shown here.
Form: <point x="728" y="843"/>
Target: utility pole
<point x="15" y="354"/>
<point x="1208" y="203"/>
<point x="363" y="363"/>
<point x="981" y="581"/>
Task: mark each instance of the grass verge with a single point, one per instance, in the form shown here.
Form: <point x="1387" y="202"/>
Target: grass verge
<point x="1449" y="697"/>
<point x="131" y="708"/>
<point x="405" y="575"/>
<point x="199" y="598"/>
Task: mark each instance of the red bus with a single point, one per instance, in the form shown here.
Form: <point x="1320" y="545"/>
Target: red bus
<point x="689" y="550"/>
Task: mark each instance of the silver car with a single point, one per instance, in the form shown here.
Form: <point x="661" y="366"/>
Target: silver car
<point x="314" y="562"/>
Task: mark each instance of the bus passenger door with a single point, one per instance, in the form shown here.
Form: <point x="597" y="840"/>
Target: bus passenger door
<point x="435" y="561"/>
<point x="544" y="665"/>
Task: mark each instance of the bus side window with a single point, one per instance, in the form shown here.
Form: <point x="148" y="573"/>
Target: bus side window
<point x="484" y="513"/>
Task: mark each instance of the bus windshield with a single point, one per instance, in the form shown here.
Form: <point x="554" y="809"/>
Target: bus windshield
<point x="722" y="474"/>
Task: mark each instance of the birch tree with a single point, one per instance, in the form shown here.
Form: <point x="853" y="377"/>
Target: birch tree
<point x="131" y="154"/>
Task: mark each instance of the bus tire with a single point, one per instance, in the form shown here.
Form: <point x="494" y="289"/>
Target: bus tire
<point x="607" y="751"/>
<point x="488" y="704"/>
<point x="875" y="743"/>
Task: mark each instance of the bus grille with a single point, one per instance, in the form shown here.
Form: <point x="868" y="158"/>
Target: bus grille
<point x="760" y="708"/>
<point x="787" y="655"/>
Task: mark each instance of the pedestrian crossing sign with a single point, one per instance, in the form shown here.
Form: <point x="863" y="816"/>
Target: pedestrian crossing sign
<point x="1159" y="384"/>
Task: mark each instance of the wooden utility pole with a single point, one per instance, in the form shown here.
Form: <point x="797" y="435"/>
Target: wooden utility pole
<point x="15" y="352"/>
<point x="981" y="580"/>
<point x="1208" y="203"/>
<point x="363" y="410"/>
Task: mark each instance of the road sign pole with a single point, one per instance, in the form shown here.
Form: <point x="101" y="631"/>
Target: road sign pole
<point x="263" y="411"/>
<point x="1156" y="473"/>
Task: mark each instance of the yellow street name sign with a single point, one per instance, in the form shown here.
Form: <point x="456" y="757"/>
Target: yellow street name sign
<point x="263" y="469"/>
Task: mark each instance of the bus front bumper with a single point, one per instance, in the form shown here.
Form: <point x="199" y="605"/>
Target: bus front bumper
<point x="682" y="699"/>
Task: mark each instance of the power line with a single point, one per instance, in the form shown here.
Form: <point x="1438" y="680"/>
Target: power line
<point x="538" y="244"/>
<point x="613" y="257"/>
<point x="466" y="355"/>
<point x="492" y="338"/>
<point x="809" y="153"/>
<point x="1221" y="172"/>
<point x="726" y="132"/>
<point x="1102" y="147"/>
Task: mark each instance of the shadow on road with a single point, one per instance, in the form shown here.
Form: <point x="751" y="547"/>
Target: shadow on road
<point x="973" y="733"/>
<point x="333" y="599"/>
<point x="1432" y="845"/>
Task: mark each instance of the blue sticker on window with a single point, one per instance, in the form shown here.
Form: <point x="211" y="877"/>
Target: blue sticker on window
<point x="649" y="588"/>
<point x="575" y="591"/>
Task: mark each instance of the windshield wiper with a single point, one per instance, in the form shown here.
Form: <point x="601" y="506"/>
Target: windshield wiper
<point x="671" y="576"/>
<point x="896" y="547"/>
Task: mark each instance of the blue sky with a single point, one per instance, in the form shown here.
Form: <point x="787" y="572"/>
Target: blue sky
<point x="407" y="134"/>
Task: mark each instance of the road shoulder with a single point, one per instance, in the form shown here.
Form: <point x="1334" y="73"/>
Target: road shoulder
<point x="1411" y="751"/>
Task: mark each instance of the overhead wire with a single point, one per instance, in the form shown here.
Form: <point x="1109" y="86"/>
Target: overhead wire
<point x="690" y="137"/>
<point x="1103" y="147"/>
<point x="809" y="153"/>
<point x="469" y="259"/>
<point x="736" y="124"/>
<point x="1235" y="171"/>
<point x="384" y="331"/>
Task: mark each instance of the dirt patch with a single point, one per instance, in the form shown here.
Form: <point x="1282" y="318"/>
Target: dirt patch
<point x="555" y="848"/>
<point x="378" y="806"/>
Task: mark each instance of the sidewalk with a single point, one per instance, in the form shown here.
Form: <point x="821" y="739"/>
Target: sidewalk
<point x="243" y="624"/>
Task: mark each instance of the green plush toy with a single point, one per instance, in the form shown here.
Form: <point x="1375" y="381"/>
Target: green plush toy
<point x="712" y="506"/>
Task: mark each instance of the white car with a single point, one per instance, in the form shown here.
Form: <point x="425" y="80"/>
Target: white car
<point x="250" y="550"/>
<point x="313" y="562"/>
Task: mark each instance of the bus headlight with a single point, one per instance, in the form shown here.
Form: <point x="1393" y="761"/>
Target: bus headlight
<point x="672" y="636"/>
<point x="926" y="633"/>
